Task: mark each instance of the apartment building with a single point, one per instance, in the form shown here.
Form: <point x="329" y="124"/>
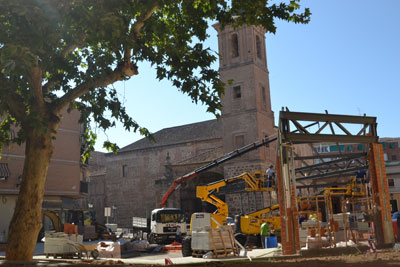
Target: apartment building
<point x="65" y="184"/>
<point x="391" y="146"/>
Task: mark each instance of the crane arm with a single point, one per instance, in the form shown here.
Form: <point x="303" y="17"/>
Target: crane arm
<point x="54" y="218"/>
<point x="259" y="213"/>
<point x="236" y="153"/>
<point x="205" y="193"/>
<point x="176" y="184"/>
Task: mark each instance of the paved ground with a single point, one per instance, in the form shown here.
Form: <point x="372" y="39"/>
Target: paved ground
<point x="39" y="250"/>
<point x="259" y="258"/>
<point x="144" y="258"/>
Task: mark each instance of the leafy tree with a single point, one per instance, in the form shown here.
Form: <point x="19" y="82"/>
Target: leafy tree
<point x="57" y="55"/>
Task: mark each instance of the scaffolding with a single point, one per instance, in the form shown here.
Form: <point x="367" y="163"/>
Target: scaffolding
<point x="329" y="226"/>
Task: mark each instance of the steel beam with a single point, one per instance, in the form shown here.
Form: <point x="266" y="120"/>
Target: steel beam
<point x="347" y="155"/>
<point x="320" y="185"/>
<point x="333" y="174"/>
<point x="302" y="116"/>
<point x="297" y="138"/>
<point x="325" y="163"/>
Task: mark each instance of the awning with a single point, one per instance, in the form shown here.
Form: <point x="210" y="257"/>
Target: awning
<point x="4" y="171"/>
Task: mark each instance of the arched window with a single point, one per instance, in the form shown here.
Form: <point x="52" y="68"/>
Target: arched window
<point x="258" y="47"/>
<point x="235" y="45"/>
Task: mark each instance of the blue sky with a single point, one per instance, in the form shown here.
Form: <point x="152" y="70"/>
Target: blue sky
<point x="346" y="61"/>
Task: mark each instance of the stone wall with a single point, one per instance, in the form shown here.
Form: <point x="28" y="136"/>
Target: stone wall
<point x="237" y="169"/>
<point x="139" y="188"/>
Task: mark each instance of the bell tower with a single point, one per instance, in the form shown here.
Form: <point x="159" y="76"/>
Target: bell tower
<point x="246" y="112"/>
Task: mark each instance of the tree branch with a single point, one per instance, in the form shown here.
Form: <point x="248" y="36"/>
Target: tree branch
<point x="135" y="30"/>
<point x="65" y="52"/>
<point x="78" y="43"/>
<point x="49" y="85"/>
<point x="124" y="69"/>
<point x="119" y="74"/>
<point x="68" y="49"/>
<point x="34" y="77"/>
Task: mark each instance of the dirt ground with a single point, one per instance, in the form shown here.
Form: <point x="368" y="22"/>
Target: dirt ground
<point x="383" y="258"/>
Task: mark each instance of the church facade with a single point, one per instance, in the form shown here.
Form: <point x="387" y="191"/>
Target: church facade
<point x="134" y="180"/>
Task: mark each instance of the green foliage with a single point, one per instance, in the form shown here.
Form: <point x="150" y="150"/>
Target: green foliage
<point x="89" y="138"/>
<point x="81" y="47"/>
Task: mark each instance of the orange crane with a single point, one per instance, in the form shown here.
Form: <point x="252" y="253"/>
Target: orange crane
<point x="231" y="155"/>
<point x="236" y="153"/>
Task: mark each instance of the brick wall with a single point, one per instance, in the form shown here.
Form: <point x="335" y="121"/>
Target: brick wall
<point x="63" y="176"/>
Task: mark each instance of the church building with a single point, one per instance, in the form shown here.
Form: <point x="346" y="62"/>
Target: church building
<point x="134" y="180"/>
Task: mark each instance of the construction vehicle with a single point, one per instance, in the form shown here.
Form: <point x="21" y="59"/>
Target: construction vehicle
<point x="54" y="219"/>
<point x="63" y="247"/>
<point x="55" y="223"/>
<point x="76" y="217"/>
<point x="354" y="188"/>
<point x="254" y="182"/>
<point x="229" y="156"/>
<point x="189" y="176"/>
<point x="234" y="154"/>
<point x="248" y="224"/>
<point x="162" y="225"/>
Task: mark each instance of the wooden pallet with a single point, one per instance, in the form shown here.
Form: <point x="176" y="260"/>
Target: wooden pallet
<point x="223" y="243"/>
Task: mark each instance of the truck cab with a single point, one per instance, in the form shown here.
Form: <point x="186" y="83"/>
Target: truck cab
<point x="164" y="224"/>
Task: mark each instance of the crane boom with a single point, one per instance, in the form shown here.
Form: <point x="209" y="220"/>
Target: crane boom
<point x="254" y="182"/>
<point x="231" y="155"/>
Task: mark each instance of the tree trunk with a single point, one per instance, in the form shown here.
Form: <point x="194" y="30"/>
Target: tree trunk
<point x="27" y="219"/>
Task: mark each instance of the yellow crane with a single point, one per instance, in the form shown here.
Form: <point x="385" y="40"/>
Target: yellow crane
<point x="249" y="223"/>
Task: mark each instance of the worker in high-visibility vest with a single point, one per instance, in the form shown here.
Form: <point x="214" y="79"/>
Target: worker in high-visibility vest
<point x="264" y="232"/>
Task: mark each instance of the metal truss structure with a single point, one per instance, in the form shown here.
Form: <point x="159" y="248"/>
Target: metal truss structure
<point x="324" y="168"/>
<point x="301" y="128"/>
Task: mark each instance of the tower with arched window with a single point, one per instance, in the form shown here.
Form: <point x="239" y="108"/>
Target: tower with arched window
<point x="246" y="114"/>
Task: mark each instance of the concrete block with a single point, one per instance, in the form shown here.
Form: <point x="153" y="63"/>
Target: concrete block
<point x="109" y="249"/>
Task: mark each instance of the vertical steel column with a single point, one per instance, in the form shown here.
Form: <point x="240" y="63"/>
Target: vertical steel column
<point x="287" y="199"/>
<point x="293" y="198"/>
<point x="380" y="194"/>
